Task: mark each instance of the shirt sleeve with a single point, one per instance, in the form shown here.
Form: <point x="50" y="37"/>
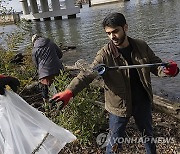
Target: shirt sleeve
<point x="58" y="51"/>
<point x="83" y="79"/>
<point x="156" y="70"/>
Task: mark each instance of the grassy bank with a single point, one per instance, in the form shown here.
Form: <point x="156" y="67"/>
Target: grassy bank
<point x="86" y="119"/>
<point x="81" y="116"/>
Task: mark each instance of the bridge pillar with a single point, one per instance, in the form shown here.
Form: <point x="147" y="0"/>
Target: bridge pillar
<point x="34" y="6"/>
<point x="56" y="7"/>
<point x="69" y="5"/>
<point x="44" y="5"/>
<point x="25" y="8"/>
<point x="57" y="12"/>
<point x="45" y="8"/>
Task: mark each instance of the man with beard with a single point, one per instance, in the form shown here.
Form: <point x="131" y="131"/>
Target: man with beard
<point x="128" y="92"/>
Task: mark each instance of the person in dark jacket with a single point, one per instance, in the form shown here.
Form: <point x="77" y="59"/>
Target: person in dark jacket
<point x="46" y="56"/>
<point x="128" y="92"/>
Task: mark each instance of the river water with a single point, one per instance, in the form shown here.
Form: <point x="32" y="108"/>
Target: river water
<point x="155" y="21"/>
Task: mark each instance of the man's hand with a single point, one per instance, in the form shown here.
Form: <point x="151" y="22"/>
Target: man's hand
<point x="171" y="69"/>
<point x="64" y="96"/>
<point x="10" y="81"/>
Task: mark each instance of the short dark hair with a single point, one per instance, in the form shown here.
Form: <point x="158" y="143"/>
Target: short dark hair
<point x="114" y="19"/>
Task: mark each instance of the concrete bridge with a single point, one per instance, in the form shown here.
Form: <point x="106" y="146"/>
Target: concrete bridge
<point x="98" y="2"/>
<point x="33" y="11"/>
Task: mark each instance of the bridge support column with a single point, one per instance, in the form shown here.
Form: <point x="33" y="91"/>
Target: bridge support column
<point x="70" y="10"/>
<point x="34" y="7"/>
<point x="24" y="7"/>
<point x="45" y="8"/>
<point x="56" y="7"/>
<point x="70" y="4"/>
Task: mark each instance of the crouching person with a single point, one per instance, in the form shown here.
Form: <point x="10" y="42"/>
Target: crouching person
<point x="46" y="56"/>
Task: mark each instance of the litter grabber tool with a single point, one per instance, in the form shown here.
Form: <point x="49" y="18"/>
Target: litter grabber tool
<point x="53" y="109"/>
<point x="102" y="68"/>
<point x="63" y="97"/>
<point x="58" y="105"/>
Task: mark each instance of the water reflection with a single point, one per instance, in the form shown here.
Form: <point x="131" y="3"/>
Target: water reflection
<point x="74" y="31"/>
<point x="37" y="27"/>
<point x="58" y="34"/>
<point x="48" y="29"/>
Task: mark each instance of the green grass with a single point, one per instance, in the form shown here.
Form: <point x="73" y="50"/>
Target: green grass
<point x="81" y="116"/>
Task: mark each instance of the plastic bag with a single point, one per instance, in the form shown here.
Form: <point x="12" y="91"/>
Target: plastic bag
<point x="25" y="130"/>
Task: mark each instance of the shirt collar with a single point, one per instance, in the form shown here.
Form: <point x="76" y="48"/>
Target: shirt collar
<point x="114" y="49"/>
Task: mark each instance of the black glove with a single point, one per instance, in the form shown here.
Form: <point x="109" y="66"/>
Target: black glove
<point x="7" y="80"/>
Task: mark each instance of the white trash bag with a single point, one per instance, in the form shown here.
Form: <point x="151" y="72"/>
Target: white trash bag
<point x="25" y="130"/>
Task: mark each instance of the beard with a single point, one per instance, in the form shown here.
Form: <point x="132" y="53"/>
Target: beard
<point x="119" y="41"/>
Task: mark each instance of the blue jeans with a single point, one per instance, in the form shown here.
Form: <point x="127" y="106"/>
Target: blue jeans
<point x="143" y="119"/>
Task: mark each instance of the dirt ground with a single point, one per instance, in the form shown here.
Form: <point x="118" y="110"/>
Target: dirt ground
<point x="166" y="130"/>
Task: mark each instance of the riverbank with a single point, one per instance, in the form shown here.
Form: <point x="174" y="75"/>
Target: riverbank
<point x="166" y="132"/>
<point x="162" y="38"/>
<point x="10" y="18"/>
<point x="81" y="115"/>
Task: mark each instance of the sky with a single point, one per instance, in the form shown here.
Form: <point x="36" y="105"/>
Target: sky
<point x="15" y="4"/>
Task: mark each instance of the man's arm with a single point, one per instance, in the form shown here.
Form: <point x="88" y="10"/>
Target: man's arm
<point x="77" y="84"/>
<point x="170" y="70"/>
<point x="58" y="51"/>
<point x="156" y="70"/>
<point x="84" y="79"/>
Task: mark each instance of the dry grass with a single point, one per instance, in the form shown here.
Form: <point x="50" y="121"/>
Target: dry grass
<point x="164" y="126"/>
